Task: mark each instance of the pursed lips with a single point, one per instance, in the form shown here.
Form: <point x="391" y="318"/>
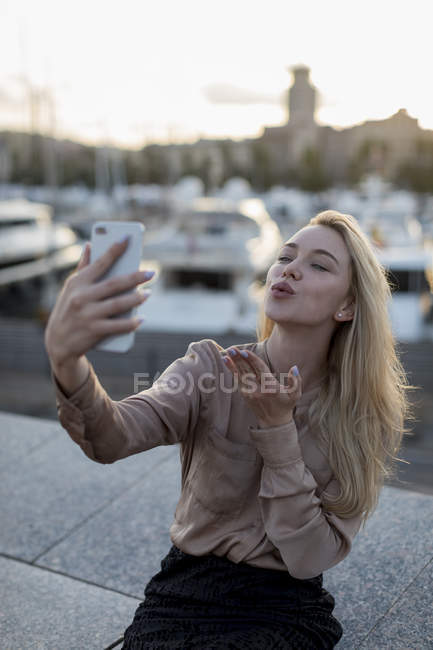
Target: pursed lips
<point x="283" y="287"/>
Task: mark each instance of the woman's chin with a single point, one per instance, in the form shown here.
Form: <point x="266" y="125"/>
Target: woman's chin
<point x="278" y="317"/>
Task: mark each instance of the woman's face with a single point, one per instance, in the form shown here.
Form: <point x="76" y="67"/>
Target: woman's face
<point x="321" y="284"/>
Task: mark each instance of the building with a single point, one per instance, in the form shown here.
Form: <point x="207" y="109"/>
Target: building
<point x="382" y="145"/>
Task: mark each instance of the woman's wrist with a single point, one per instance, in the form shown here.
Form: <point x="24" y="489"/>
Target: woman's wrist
<point x="71" y="373"/>
<point x="271" y="423"/>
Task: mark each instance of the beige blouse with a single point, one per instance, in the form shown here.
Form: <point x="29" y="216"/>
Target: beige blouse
<point x="249" y="494"/>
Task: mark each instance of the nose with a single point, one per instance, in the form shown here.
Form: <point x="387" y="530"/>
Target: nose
<point x="291" y="269"/>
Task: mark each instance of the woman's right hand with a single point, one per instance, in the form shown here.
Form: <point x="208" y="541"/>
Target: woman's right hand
<point x="81" y="316"/>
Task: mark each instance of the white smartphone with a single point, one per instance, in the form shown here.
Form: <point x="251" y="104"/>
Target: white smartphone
<point x="104" y="235"/>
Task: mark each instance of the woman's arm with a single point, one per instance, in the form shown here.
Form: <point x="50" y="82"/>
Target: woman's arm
<point x="70" y="375"/>
<point x="108" y="430"/>
<point x="309" y="539"/>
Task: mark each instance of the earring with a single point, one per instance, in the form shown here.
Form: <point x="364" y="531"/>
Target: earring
<point x="339" y="315"/>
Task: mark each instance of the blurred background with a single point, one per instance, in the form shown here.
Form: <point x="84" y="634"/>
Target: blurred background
<point x="222" y="129"/>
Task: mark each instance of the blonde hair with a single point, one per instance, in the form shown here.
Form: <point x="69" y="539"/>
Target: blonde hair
<point x="362" y="404"/>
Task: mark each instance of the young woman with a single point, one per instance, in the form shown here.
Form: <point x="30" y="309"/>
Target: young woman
<point x="285" y="442"/>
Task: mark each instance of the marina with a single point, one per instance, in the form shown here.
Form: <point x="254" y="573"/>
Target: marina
<point x="211" y="253"/>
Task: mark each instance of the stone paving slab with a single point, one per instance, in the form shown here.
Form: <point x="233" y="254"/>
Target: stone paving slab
<point x="22" y="434"/>
<point x="385" y="558"/>
<point x="409" y="623"/>
<point x="44" y="610"/>
<point x="121" y="547"/>
<point x="54" y="487"/>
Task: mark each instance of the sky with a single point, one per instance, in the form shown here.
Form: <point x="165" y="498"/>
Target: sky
<point x="135" y="72"/>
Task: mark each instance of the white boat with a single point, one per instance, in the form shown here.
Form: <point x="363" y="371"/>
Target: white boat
<point x="392" y="225"/>
<point x="28" y="233"/>
<point x="291" y="208"/>
<point x="210" y="259"/>
<point x="397" y="237"/>
<point x="410" y="271"/>
<point x="35" y="257"/>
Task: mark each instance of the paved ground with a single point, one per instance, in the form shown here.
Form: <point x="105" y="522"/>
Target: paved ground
<point x="80" y="540"/>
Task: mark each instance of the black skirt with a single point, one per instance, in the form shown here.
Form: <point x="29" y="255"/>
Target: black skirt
<point x="208" y="602"/>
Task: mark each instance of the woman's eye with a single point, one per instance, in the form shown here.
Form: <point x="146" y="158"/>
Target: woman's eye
<point x="288" y="258"/>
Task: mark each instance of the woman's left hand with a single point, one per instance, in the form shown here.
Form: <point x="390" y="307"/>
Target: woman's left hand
<point x="272" y="402"/>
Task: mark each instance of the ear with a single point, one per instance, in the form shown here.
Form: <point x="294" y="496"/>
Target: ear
<point x="349" y="311"/>
<point x="346" y="311"/>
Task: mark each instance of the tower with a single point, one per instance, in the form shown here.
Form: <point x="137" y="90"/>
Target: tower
<point x="302" y="98"/>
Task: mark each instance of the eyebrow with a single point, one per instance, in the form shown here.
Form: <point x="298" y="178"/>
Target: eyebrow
<point x="316" y="250"/>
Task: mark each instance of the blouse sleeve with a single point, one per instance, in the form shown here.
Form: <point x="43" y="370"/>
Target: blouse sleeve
<point x="164" y="414"/>
<point x="309" y="539"/>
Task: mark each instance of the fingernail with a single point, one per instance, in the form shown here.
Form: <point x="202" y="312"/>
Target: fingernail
<point x="140" y="320"/>
<point x="232" y="353"/>
<point x="124" y="239"/>
<point x="225" y="359"/>
<point x="244" y="353"/>
<point x="148" y="274"/>
<point x="296" y="371"/>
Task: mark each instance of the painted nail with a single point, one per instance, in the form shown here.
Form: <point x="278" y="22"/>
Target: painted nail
<point x="232" y="353"/>
<point x="296" y="371"/>
<point x="124" y="239"/>
<point x="148" y="274"/>
<point x="83" y="251"/>
<point x="225" y="359"/>
<point x="244" y="353"/>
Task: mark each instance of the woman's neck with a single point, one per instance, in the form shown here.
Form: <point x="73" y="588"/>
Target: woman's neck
<point x="284" y="351"/>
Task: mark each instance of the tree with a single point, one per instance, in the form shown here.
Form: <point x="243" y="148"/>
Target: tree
<point x="156" y="165"/>
<point x="370" y="158"/>
<point x="416" y="173"/>
<point x="261" y="175"/>
<point x="310" y="173"/>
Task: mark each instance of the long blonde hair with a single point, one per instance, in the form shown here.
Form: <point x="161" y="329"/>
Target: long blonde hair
<point x="362" y="404"/>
